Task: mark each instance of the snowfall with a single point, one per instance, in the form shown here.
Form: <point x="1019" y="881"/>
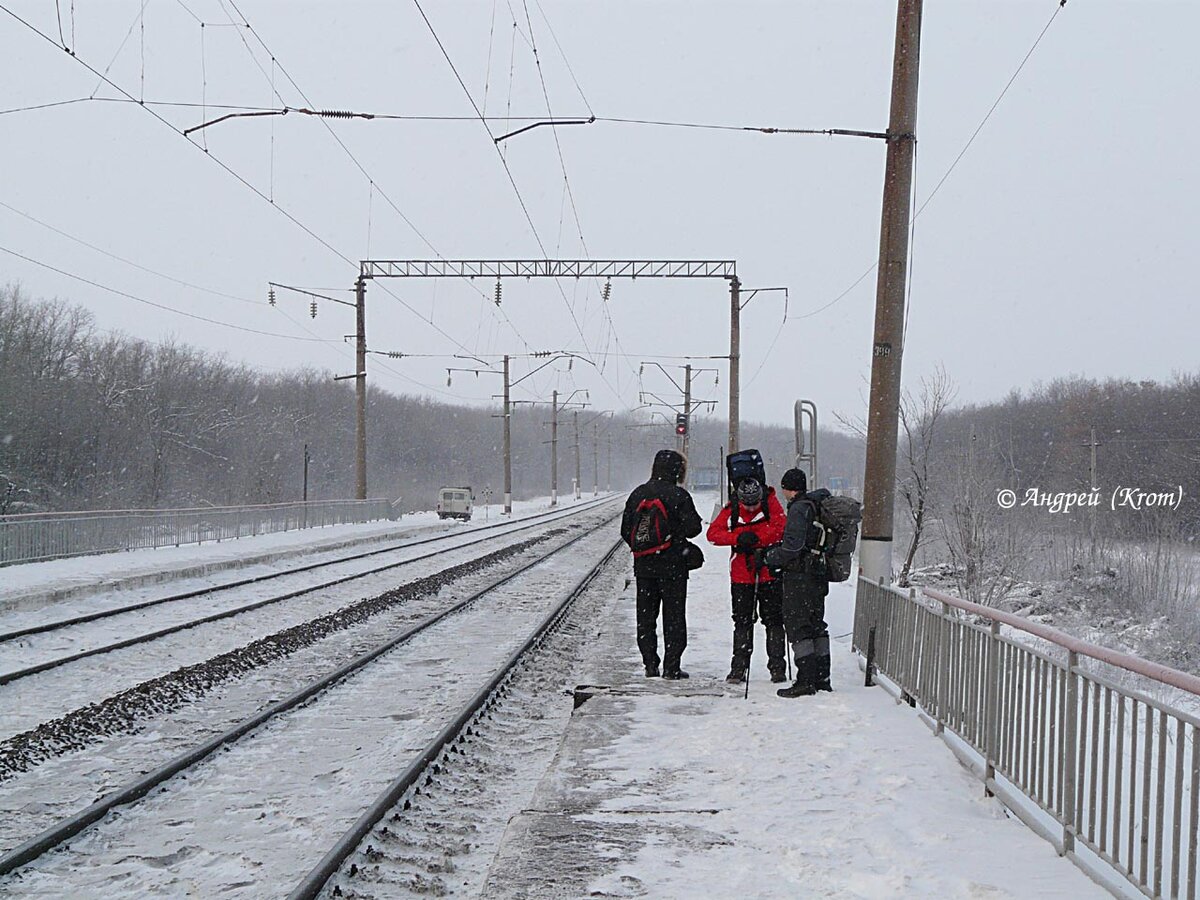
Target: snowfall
<point x="636" y="787"/>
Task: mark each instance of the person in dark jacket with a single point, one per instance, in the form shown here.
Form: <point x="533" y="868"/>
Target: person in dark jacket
<point x="754" y="519"/>
<point x="662" y="574"/>
<point x="805" y="586"/>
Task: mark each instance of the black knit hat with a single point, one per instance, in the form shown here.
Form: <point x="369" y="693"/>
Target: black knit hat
<point x="794" y="480"/>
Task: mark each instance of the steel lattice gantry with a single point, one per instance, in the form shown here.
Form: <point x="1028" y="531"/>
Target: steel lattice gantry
<point x="586" y="268"/>
<point x="548" y="268"/>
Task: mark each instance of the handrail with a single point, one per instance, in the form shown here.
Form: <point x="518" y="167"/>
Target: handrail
<point x="70" y="513"/>
<point x="1156" y="671"/>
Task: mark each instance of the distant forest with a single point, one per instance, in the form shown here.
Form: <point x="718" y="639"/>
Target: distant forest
<point x="95" y="420"/>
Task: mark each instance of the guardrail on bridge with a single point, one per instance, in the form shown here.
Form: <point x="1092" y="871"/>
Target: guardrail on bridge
<point x="1070" y="725"/>
<point x="32" y="537"/>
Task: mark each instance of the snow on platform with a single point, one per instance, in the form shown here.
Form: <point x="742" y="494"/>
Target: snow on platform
<point x="683" y="789"/>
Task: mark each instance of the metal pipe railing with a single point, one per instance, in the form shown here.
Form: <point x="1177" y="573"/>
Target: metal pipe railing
<point x="1116" y="768"/>
<point x="33" y="537"/>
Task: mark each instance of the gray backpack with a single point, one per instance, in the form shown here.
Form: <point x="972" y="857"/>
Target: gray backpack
<point x="837" y="520"/>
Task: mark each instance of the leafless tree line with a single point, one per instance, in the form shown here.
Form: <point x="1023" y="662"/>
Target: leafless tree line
<point x="90" y="419"/>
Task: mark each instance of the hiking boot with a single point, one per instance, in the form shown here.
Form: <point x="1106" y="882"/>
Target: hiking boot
<point x="799" y="689"/>
<point x="652" y="671"/>
<point x="675" y="674"/>
<point x="736" y="676"/>
<point x="824" y="686"/>
<point x="777" y="676"/>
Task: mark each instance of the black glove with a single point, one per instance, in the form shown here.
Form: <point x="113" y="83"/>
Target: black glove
<point x="747" y="540"/>
<point x="759" y="559"/>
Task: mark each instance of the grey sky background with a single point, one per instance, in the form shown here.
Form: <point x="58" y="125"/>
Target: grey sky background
<point x="1063" y="242"/>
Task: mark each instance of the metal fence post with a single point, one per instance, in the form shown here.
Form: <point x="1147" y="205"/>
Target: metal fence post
<point x="1071" y="755"/>
<point x="991" y="704"/>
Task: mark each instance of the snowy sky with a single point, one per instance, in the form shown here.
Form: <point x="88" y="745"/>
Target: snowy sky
<point x="1059" y="244"/>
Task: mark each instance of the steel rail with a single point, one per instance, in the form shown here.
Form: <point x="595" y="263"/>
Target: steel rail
<point x="46" y="666"/>
<point x="199" y="592"/>
<point x="71" y="826"/>
<point x="315" y="881"/>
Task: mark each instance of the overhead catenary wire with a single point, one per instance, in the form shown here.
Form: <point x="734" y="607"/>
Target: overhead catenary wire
<point x="324" y="115"/>
<point x="121" y="259"/>
<point x="287" y="214"/>
<point x="1059" y="6"/>
<point x="162" y="306"/>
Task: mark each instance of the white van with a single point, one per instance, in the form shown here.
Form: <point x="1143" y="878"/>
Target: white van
<point x="455" y="503"/>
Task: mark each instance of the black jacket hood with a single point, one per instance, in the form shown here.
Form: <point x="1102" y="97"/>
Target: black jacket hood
<point x="669" y="465"/>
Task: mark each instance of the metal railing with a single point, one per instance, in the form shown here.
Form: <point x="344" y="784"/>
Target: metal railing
<point x="32" y="537"/>
<point x="1070" y="725"/>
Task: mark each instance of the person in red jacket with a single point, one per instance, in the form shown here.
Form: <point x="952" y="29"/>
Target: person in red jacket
<point x="755" y="519"/>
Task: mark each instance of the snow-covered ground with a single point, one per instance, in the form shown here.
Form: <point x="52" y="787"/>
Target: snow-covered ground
<point x="247" y="821"/>
<point x="683" y="789"/>
<point x="34" y="584"/>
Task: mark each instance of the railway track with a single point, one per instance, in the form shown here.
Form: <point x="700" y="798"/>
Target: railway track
<point x="452" y="542"/>
<point x="419" y="666"/>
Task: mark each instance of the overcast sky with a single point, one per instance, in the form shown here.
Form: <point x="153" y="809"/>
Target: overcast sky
<point x="1063" y="242"/>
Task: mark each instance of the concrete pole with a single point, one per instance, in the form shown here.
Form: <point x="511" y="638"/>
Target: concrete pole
<point x="578" y="473"/>
<point x="360" y="389"/>
<point x="554" y="451"/>
<point x="507" y="444"/>
<point x="687" y="407"/>
<point x="608" y="459"/>
<point x="875" y="560"/>
<point x="595" y="459"/>
<point x="735" y="359"/>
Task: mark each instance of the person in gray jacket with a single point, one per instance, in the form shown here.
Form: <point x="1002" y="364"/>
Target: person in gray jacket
<point x="805" y="587"/>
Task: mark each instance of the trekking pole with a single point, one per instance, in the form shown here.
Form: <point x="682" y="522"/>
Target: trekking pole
<point x="753" y="622"/>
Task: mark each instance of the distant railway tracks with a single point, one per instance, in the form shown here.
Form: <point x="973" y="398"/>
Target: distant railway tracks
<point x="448" y="542"/>
<point x="333" y="744"/>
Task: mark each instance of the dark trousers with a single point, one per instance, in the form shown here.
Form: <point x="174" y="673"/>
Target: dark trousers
<point x="770" y="612"/>
<point x="804" y="619"/>
<point x="671" y="595"/>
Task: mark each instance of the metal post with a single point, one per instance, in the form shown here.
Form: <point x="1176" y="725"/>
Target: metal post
<point x="554" y="451"/>
<point x="687" y="407"/>
<point x="735" y="359"/>
<point x="578" y="473"/>
<point x="608" y="450"/>
<point x="306" y="458"/>
<point x="507" y="444"/>
<point x="360" y="383"/>
<point x="882" y="418"/>
<point x="595" y="459"/>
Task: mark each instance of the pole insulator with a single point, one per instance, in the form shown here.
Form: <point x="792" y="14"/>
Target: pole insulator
<point x="312" y="308"/>
<point x="271" y="296"/>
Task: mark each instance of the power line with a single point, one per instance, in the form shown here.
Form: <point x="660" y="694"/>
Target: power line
<point x="120" y="293"/>
<point x="387" y="198"/>
<point x="292" y="218"/>
<point x="1057" y="9"/>
<point x="121" y="259"/>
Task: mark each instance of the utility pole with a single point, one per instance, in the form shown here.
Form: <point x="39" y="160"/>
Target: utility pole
<point x="554" y="451"/>
<point x="735" y="359"/>
<point x="306" y="459"/>
<point x="595" y="459"/>
<point x="360" y="383"/>
<point x="578" y="474"/>
<point x="1093" y="444"/>
<point x="507" y="444"/>
<point x="882" y="418"/>
<point x="608" y="481"/>
<point x="687" y="407"/>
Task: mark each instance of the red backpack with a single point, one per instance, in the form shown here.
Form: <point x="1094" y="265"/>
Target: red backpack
<point x="652" y="533"/>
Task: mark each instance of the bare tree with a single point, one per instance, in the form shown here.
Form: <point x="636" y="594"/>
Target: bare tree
<point x="919" y="418"/>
